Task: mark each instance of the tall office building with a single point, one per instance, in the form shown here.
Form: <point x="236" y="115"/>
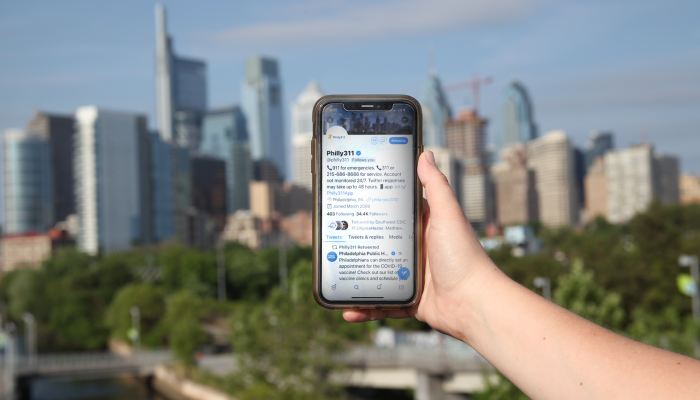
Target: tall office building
<point x="161" y="178"/>
<point x="58" y="130"/>
<point x="302" y="132"/>
<point x="226" y="137"/>
<point x="516" y="196"/>
<point x="209" y="188"/>
<point x="552" y="160"/>
<point x="112" y="191"/>
<point x="181" y="90"/>
<point x="599" y="144"/>
<point x="635" y="177"/>
<point x="466" y="139"/>
<point x="517" y="120"/>
<point x="28" y="191"/>
<point x="436" y="112"/>
<point x="262" y="106"/>
<point x="596" y="190"/>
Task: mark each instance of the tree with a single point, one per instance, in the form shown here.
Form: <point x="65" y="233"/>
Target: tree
<point x="285" y="346"/>
<point x="151" y="303"/>
<point x="578" y="293"/>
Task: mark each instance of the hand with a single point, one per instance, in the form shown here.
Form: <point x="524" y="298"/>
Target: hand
<point x="454" y="259"/>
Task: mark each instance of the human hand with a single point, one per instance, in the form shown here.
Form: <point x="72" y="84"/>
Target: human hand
<point x="454" y="259"/>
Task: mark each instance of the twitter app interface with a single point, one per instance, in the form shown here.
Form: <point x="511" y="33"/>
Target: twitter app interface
<point x="367" y="200"/>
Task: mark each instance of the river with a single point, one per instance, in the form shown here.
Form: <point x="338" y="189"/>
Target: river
<point x="126" y="388"/>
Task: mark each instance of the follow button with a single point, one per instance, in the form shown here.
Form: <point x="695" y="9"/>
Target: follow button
<point x="398" y="140"/>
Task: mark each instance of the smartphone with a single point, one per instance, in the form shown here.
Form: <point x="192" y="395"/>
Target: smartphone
<point x="367" y="230"/>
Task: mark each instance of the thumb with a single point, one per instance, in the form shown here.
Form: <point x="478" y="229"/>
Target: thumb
<point x="441" y="197"/>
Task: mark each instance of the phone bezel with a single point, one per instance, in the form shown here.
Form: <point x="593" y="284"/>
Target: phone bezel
<point x="354" y="100"/>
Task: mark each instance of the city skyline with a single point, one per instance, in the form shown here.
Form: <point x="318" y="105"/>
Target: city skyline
<point x="620" y="76"/>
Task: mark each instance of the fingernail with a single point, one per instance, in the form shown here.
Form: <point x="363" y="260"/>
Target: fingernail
<point x="430" y="157"/>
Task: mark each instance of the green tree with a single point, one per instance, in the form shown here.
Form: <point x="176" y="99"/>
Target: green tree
<point x="285" y="346"/>
<point x="579" y="293"/>
<point x="150" y="300"/>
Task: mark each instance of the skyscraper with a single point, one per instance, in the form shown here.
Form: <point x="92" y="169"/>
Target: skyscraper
<point x="597" y="146"/>
<point x="209" y="189"/>
<point x="28" y="183"/>
<point x="58" y="130"/>
<point x="112" y="189"/>
<point x="635" y="177"/>
<point x="181" y="90"/>
<point x="226" y="137"/>
<point x="262" y="106"/>
<point x="161" y="179"/>
<point x="436" y="112"/>
<point x="552" y="160"/>
<point x="516" y="197"/>
<point x="517" y="121"/>
<point x="466" y="140"/>
<point x="302" y="132"/>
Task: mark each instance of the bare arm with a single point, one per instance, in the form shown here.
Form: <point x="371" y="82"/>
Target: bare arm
<point x="547" y="351"/>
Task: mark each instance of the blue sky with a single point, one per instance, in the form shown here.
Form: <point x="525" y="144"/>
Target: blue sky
<point x="627" y="66"/>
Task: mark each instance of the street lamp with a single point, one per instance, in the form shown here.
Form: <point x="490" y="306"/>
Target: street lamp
<point x="135" y="333"/>
<point x="30" y="337"/>
<point x="544" y="284"/>
<point x="283" y="261"/>
<point x="692" y="262"/>
<point x="221" y="271"/>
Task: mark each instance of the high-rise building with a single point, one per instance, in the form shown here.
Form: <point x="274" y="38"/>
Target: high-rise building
<point x="517" y="120"/>
<point x="598" y="144"/>
<point x="209" y="188"/>
<point x="552" y="160"/>
<point x="262" y="106"/>
<point x="112" y="186"/>
<point x="667" y="178"/>
<point x="58" y="130"/>
<point x="689" y="186"/>
<point x="596" y="190"/>
<point x="636" y="176"/>
<point x="28" y="191"/>
<point x="466" y="139"/>
<point x="181" y="90"/>
<point x="161" y="179"/>
<point x="302" y="132"/>
<point x="226" y="137"/>
<point x="436" y="112"/>
<point x="579" y="174"/>
<point x="516" y="197"/>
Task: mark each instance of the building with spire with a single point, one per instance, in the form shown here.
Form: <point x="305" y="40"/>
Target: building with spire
<point x="181" y="90"/>
<point x="302" y="132"/>
<point x="436" y="111"/>
<point x="517" y="121"/>
<point x="262" y="106"/>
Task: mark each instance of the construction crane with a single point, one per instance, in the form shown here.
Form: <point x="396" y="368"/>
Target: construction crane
<point x="474" y="84"/>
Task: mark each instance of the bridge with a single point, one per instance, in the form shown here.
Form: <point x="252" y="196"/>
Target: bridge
<point x="19" y="371"/>
<point x="437" y="367"/>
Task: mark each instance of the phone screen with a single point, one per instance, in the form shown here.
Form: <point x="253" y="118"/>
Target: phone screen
<point x="366" y="202"/>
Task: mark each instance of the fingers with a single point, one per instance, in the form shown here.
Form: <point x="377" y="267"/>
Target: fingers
<point x="440" y="195"/>
<point x="373" y="315"/>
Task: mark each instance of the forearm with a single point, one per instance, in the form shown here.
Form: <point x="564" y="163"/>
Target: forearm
<point x="551" y="353"/>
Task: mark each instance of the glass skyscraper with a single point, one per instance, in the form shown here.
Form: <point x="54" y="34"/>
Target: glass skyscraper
<point x="436" y="112"/>
<point x="262" y="106"/>
<point x="597" y="146"/>
<point x="517" y="123"/>
<point x="226" y="137"/>
<point x="181" y="90"/>
<point x="28" y="183"/>
<point x="112" y="188"/>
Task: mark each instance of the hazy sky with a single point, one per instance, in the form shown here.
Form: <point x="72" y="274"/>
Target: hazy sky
<point x="627" y="66"/>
